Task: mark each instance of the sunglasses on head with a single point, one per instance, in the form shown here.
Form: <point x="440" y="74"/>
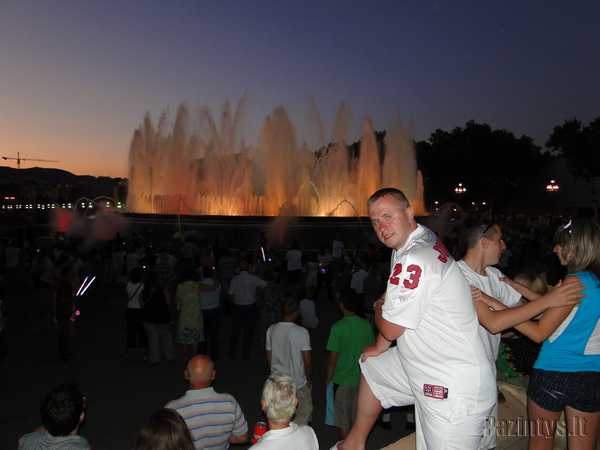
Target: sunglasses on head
<point x="492" y="223"/>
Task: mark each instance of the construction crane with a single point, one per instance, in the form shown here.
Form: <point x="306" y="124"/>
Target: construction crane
<point x="19" y="159"/>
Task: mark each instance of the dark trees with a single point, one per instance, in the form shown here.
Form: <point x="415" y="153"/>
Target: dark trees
<point x="580" y="146"/>
<point x="489" y="163"/>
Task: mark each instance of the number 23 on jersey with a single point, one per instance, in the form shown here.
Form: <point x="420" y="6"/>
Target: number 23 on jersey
<point x="414" y="271"/>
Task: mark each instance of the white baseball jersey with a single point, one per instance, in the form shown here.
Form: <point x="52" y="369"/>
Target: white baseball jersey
<point x="497" y="289"/>
<point x="441" y="349"/>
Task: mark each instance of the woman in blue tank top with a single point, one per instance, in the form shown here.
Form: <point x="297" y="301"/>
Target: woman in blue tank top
<point x="566" y="375"/>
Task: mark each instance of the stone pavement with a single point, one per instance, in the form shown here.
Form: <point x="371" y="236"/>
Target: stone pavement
<point x="121" y="395"/>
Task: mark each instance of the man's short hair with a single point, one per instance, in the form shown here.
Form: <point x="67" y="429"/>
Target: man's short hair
<point x="62" y="408"/>
<point x="289" y="306"/>
<point x="397" y="194"/>
<point x="279" y="395"/>
<point x="348" y="299"/>
<point x="474" y="228"/>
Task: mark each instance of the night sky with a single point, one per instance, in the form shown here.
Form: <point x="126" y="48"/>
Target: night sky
<point x="76" y="78"/>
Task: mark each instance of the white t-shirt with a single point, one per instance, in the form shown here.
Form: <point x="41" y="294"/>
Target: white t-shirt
<point x="294" y="259"/>
<point x="325" y="259"/>
<point x="358" y="281"/>
<point x="243" y="288"/>
<point x="308" y="314"/>
<point x="497" y="289"/>
<point x="287" y="341"/>
<point x="337" y="249"/>
<point x="441" y="349"/>
<point x="294" y="437"/>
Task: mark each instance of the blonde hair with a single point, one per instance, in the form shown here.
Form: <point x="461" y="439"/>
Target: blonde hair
<point x="534" y="281"/>
<point x="279" y="395"/>
<point x="580" y="243"/>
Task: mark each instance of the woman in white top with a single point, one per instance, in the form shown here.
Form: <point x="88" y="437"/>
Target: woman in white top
<point x="136" y="333"/>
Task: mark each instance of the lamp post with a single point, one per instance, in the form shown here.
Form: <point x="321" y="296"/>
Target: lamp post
<point x="552" y="188"/>
<point x="459" y="190"/>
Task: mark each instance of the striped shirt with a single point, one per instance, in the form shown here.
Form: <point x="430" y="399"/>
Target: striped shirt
<point x="211" y="417"/>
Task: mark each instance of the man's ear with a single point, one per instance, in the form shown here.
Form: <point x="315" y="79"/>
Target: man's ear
<point x="485" y="242"/>
<point x="295" y="403"/>
<point x="410" y="214"/>
<point x="185" y="375"/>
<point x="263" y="404"/>
<point x="213" y="375"/>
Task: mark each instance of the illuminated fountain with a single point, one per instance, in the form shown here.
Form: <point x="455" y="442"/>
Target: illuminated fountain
<point x="208" y="170"/>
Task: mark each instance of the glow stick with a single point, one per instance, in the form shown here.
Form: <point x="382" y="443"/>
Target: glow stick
<point x="88" y="285"/>
<point x="263" y="253"/>
<point x="81" y="287"/>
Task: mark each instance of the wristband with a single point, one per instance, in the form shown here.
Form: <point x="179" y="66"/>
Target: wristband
<point x="379" y="299"/>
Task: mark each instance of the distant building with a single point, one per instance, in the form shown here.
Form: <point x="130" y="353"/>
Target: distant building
<point x="31" y="193"/>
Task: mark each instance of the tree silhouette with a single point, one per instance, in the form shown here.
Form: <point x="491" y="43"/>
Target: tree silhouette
<point x="490" y="163"/>
<point x="580" y="146"/>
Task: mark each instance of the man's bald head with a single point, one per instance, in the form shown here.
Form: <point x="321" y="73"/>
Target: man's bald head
<point x="200" y="372"/>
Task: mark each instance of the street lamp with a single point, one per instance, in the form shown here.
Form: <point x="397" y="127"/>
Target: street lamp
<point x="552" y="188"/>
<point x="460" y="189"/>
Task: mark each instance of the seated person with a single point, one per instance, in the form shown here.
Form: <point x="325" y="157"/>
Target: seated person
<point x="62" y="411"/>
<point x="279" y="404"/>
<point x="165" y="430"/>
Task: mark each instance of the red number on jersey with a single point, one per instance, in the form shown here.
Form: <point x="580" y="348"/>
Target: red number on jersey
<point x="442" y="249"/>
<point x="413" y="280"/>
<point x="397" y="270"/>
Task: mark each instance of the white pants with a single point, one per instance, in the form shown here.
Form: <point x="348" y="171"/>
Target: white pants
<point x="454" y="428"/>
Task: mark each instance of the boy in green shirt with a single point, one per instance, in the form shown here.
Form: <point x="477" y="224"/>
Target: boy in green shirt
<point x="347" y="340"/>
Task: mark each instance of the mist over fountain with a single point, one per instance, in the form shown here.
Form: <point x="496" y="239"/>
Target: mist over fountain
<point x="206" y="169"/>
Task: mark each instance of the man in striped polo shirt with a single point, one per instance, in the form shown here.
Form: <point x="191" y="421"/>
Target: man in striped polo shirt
<point x="215" y="420"/>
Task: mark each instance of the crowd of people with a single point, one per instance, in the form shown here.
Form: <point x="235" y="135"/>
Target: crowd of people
<point x="421" y="329"/>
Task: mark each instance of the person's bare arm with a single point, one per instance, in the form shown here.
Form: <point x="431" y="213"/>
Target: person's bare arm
<point x="240" y="439"/>
<point x="539" y="331"/>
<point x="521" y="289"/>
<point x="207" y="288"/>
<point x="550" y="321"/>
<point x="381" y="345"/>
<point x="389" y="330"/>
<point x="503" y="318"/>
<point x="308" y="367"/>
<point x="331" y="362"/>
<point x="268" y="355"/>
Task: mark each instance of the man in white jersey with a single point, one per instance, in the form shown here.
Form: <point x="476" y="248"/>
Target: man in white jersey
<point x="483" y="238"/>
<point x="439" y="363"/>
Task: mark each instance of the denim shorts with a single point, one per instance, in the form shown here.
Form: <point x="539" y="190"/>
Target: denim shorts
<point x="553" y="391"/>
